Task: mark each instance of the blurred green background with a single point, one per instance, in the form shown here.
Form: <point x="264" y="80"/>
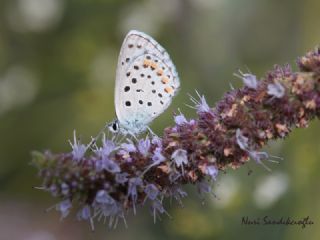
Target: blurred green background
<point x="57" y="70"/>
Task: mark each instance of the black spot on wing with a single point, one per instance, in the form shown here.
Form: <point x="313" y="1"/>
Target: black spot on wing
<point x="126" y="88"/>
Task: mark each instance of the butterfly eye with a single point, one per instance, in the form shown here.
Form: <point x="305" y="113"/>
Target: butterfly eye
<point x="114" y="126"/>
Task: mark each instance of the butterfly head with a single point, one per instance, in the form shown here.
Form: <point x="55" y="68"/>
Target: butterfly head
<point x="114" y="126"/>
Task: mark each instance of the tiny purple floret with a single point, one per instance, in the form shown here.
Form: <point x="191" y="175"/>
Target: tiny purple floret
<point x="65" y="189"/>
<point x="180" y="157"/>
<point x="276" y="90"/>
<point x="122" y="178"/>
<point x="157" y="155"/>
<point x="84" y="213"/>
<point x="107" y="148"/>
<point x="258" y="156"/>
<point x="107" y="164"/>
<point x="212" y="171"/>
<point x="249" y="80"/>
<point x="203" y="105"/>
<point x="78" y="149"/>
<point x="180" y="119"/>
<point x="103" y="197"/>
<point x="133" y="192"/>
<point x="129" y="147"/>
<point x="152" y="191"/>
<point x="144" y="146"/>
<point x="156" y="141"/>
<point x="241" y="140"/>
<point x="64" y="207"/>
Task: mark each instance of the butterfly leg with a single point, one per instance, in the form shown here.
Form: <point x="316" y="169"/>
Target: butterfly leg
<point x="122" y="138"/>
<point x="117" y="137"/>
<point x="133" y="136"/>
<point x="152" y="133"/>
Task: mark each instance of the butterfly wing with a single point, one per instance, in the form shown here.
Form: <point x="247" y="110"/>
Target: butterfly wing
<point x="146" y="81"/>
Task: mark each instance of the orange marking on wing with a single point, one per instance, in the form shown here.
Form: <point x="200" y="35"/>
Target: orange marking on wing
<point x="146" y="63"/>
<point x="168" y="90"/>
<point x="165" y="80"/>
<point x="153" y="65"/>
<point x="159" y="72"/>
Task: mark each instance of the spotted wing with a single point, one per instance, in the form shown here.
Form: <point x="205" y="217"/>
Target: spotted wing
<point x="146" y="81"/>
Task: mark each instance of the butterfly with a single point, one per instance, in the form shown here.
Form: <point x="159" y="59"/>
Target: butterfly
<point x="146" y="82"/>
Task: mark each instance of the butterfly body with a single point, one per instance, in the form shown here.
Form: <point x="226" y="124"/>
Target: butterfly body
<point x="146" y="82"/>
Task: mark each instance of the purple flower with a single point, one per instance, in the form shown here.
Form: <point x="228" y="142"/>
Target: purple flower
<point x="132" y="190"/>
<point x="105" y="207"/>
<point x="276" y="90"/>
<point x="125" y="155"/>
<point x="121" y="178"/>
<point x="174" y="129"/>
<point x="241" y="140"/>
<point x="180" y="119"/>
<point x="65" y="189"/>
<point x="129" y="147"/>
<point x="203" y="106"/>
<point x="64" y="207"/>
<point x="156" y="207"/>
<point x="156" y="141"/>
<point x="180" y="157"/>
<point x="109" y="209"/>
<point x="178" y="193"/>
<point x="157" y="155"/>
<point x="258" y="157"/>
<point x="248" y="79"/>
<point x="144" y="146"/>
<point x="192" y="122"/>
<point x="212" y="171"/>
<point x="84" y="213"/>
<point x="103" y="197"/>
<point x="204" y="187"/>
<point x="107" y="148"/>
<point x="53" y="190"/>
<point x="174" y="176"/>
<point x="157" y="158"/>
<point x="151" y="191"/>
<point x="78" y="149"/>
<point x="107" y="164"/>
